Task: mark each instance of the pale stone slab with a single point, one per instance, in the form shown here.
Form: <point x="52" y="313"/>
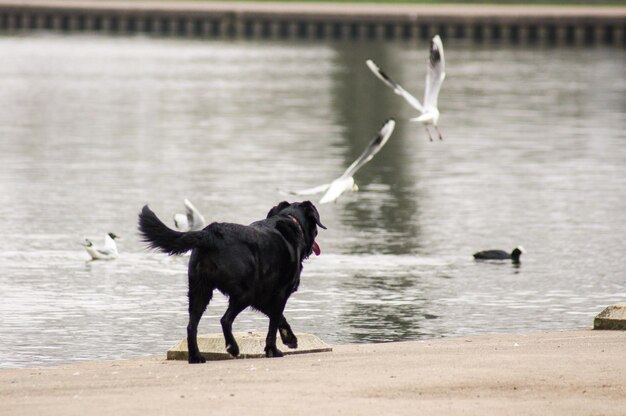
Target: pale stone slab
<point x="613" y="317"/>
<point x="251" y="345"/>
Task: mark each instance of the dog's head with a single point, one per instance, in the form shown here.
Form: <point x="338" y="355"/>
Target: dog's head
<point x="305" y="215"/>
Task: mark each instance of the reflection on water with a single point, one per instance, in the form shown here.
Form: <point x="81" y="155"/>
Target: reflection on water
<point x="92" y="128"/>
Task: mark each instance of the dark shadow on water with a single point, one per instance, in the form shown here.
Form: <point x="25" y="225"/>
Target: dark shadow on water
<point x="363" y="104"/>
<point x="386" y="308"/>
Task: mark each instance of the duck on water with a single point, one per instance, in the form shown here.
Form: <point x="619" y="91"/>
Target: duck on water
<point x="500" y="254"/>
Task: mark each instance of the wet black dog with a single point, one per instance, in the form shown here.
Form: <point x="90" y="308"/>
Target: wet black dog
<point x="256" y="266"/>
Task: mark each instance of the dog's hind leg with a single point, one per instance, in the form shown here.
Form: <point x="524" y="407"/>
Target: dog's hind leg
<point x="199" y="298"/>
<point x="286" y="334"/>
<point x="234" y="309"/>
<point x="270" y="341"/>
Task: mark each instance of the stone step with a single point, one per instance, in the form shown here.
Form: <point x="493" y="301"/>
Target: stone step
<point x="251" y="345"/>
<point x="613" y="317"/>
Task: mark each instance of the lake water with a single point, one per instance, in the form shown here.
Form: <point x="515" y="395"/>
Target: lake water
<point x="92" y="128"/>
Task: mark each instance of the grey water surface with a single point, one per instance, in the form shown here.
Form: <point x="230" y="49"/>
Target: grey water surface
<point x="92" y="128"/>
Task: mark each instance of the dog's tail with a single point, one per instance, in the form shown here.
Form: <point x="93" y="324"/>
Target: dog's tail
<point x="160" y="237"/>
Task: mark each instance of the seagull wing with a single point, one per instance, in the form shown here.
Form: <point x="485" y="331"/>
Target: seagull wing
<point x="346" y="181"/>
<point x="181" y="222"/>
<point x="435" y="73"/>
<point x="414" y="102"/>
<point x="194" y="218"/>
<point x="372" y="148"/>
<point x="311" y="191"/>
<point x="110" y="248"/>
<point x="337" y="187"/>
<point x="106" y="252"/>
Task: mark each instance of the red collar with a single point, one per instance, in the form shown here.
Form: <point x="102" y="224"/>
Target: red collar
<point x="294" y="219"/>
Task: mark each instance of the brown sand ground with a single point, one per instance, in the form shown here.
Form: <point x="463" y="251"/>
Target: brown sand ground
<point x="560" y="373"/>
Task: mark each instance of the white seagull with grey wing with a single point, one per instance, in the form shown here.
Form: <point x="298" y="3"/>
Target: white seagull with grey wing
<point x="434" y="78"/>
<point x="346" y="181"/>
<point x="105" y="251"/>
<point x="191" y="220"/>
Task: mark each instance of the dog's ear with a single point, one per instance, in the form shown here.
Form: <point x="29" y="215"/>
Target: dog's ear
<point x="277" y="209"/>
<point x="312" y="211"/>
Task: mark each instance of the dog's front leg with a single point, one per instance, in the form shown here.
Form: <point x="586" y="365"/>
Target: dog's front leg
<point x="270" y="341"/>
<point x="286" y="334"/>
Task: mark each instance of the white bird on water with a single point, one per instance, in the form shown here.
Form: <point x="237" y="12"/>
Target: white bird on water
<point x="435" y="74"/>
<point x="191" y="220"/>
<point x="346" y="181"/>
<point x="107" y="251"/>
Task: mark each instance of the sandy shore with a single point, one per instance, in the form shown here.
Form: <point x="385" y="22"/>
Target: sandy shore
<point x="559" y="373"/>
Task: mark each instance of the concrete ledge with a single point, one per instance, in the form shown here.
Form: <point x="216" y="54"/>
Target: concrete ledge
<point x="613" y="317"/>
<point x="251" y="345"/>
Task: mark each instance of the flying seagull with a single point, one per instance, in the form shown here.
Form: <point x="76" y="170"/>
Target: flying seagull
<point x="500" y="254"/>
<point x="346" y="181"/>
<point x="434" y="78"/>
<point x="191" y="220"/>
<point x="107" y="251"/>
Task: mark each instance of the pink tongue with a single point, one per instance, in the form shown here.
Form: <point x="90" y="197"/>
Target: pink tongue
<point x="316" y="248"/>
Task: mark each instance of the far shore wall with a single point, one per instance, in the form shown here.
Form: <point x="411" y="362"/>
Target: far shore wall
<point x="572" y="26"/>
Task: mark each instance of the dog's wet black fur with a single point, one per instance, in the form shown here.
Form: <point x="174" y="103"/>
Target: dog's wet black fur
<point x="256" y="266"/>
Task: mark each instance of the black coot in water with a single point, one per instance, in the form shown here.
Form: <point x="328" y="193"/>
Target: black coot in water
<point x="500" y="255"/>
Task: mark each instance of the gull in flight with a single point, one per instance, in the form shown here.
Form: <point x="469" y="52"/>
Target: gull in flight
<point x="346" y="181"/>
<point x="107" y="251"/>
<point x="434" y="78"/>
<point x="191" y="220"/>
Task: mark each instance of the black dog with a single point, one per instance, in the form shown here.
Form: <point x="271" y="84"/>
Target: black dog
<point x="256" y="266"/>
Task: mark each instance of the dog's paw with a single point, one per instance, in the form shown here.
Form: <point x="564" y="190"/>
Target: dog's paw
<point x="288" y="338"/>
<point x="233" y="349"/>
<point x="273" y="352"/>
<point x="197" y="360"/>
